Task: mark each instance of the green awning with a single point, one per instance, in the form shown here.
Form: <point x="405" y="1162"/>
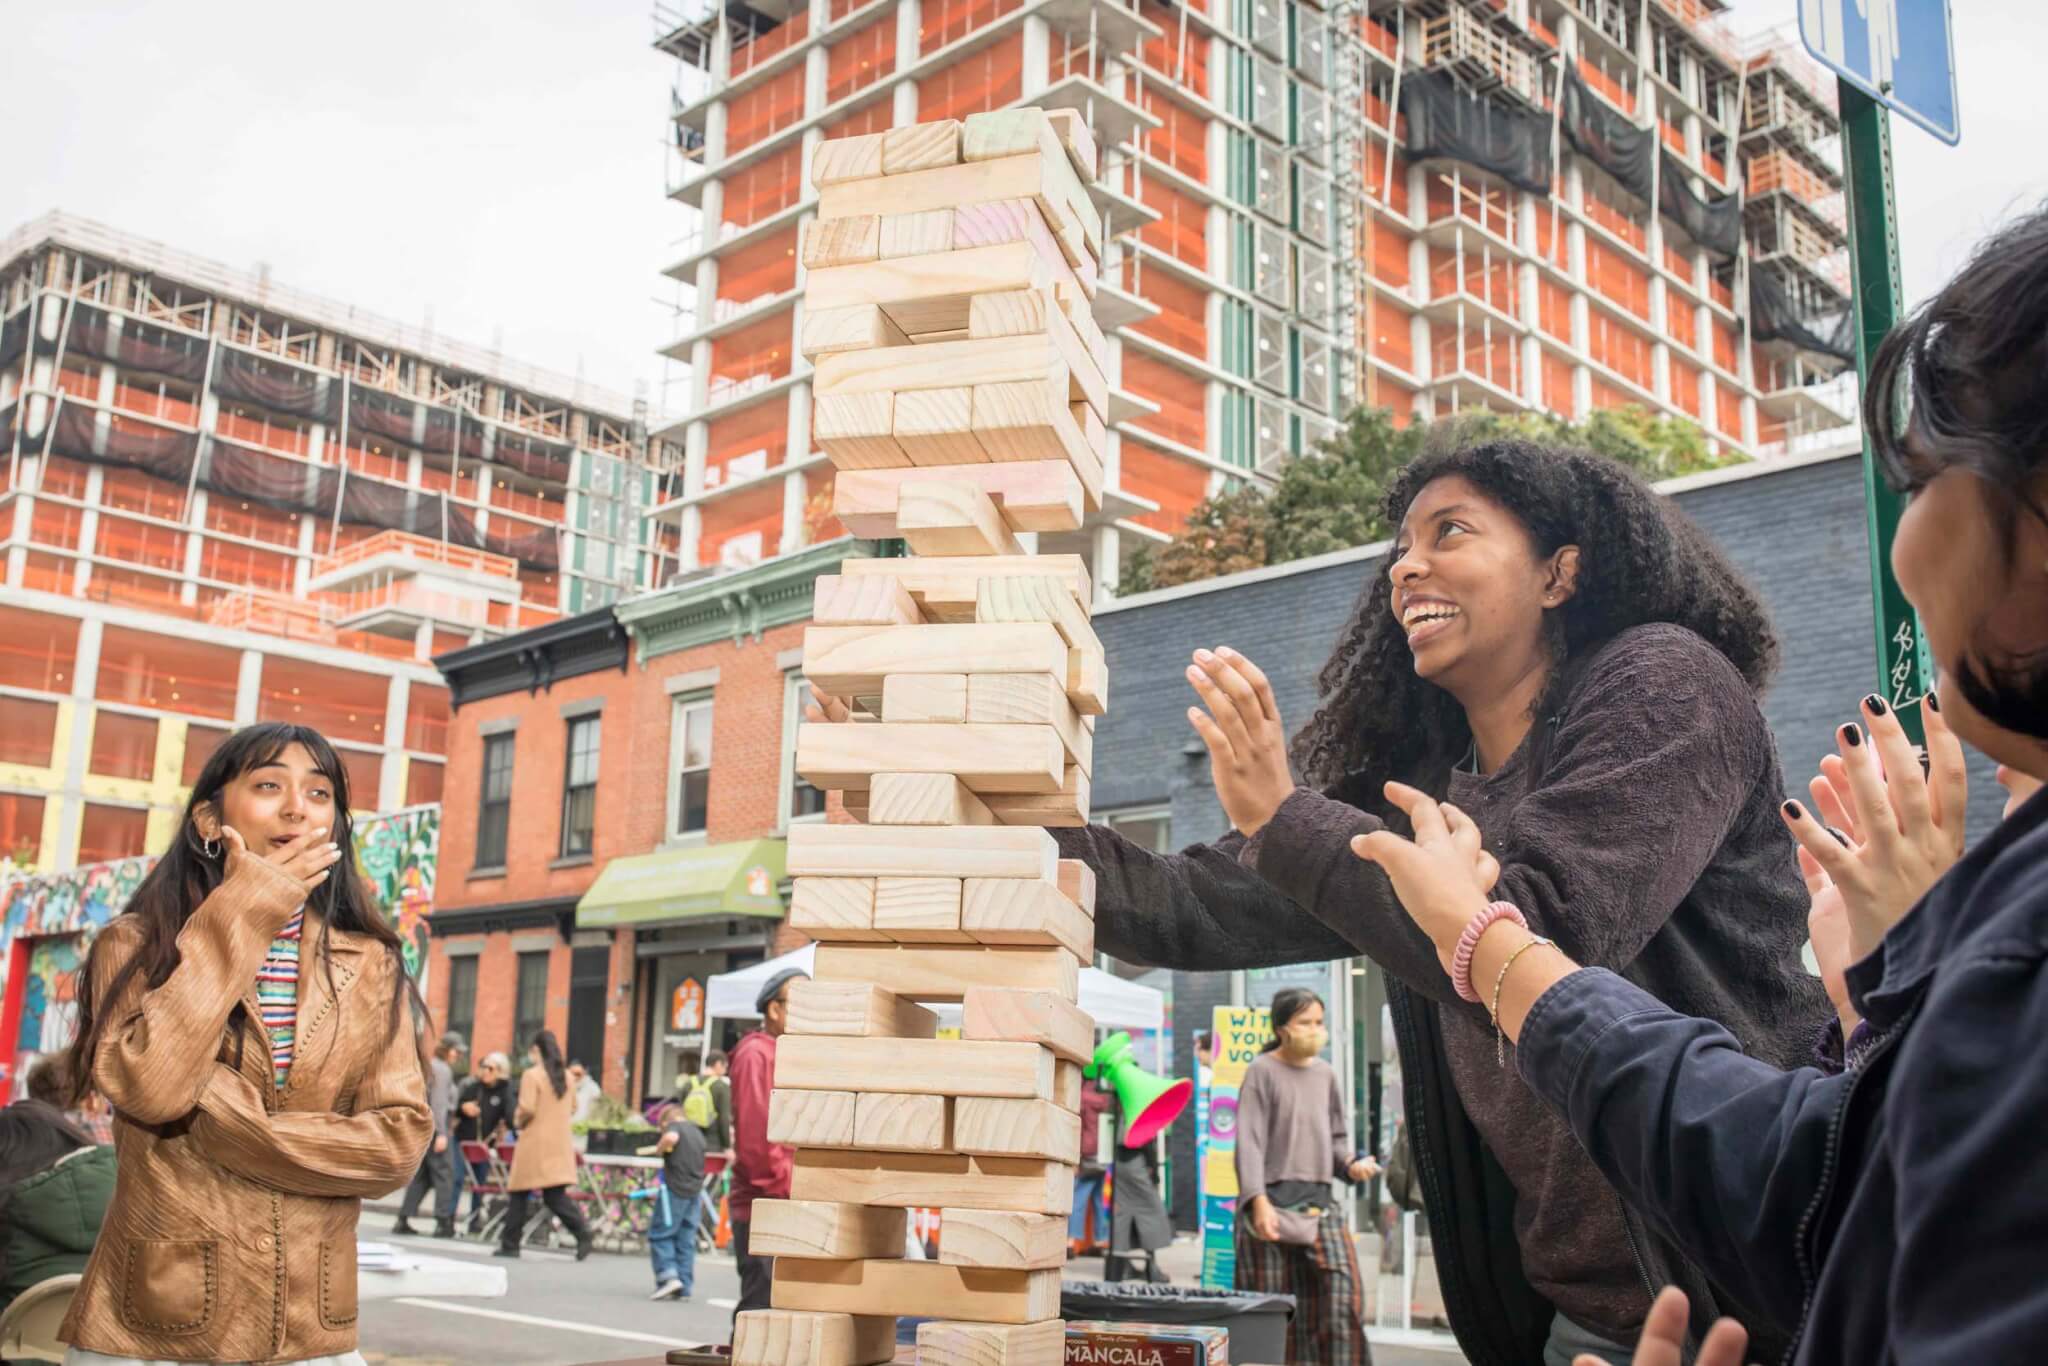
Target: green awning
<point x="736" y="878"/>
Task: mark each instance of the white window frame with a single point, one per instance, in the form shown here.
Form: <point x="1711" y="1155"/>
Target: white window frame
<point x="679" y="708"/>
<point x="793" y="689"/>
<point x="1129" y="814"/>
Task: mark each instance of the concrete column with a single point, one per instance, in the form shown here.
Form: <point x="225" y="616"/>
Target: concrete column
<point x="302" y="567"/>
<point x="793" y="497"/>
<point x="1582" y="392"/>
<point x="1037" y="56"/>
<point x="713" y="211"/>
<point x="696" y="444"/>
<point x="693" y="530"/>
<point x="483" y="498"/>
<point x="89" y="525"/>
<point x="817" y="70"/>
<point x="1532" y="372"/>
<point x="195" y="545"/>
<point x="85" y="681"/>
<point x="108" y="382"/>
<point x="904" y="109"/>
<point x="413" y="464"/>
<point x="714" y="133"/>
<point x="799" y="422"/>
<point x="909" y="19"/>
<point x="707" y="297"/>
<point x="248" y="688"/>
<point x="391" y="782"/>
<point x="700" y="373"/>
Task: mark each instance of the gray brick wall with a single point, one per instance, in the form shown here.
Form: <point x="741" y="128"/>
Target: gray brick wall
<point x="1797" y="531"/>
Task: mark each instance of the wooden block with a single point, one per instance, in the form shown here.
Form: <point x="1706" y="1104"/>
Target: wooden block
<point x="847" y="661"/>
<point x="897" y="1122"/>
<point x="923" y="699"/>
<point x="934" y="1180"/>
<point x="834" y="908"/>
<point x="1021" y="220"/>
<point x="948" y="334"/>
<point x="839" y="160"/>
<point x="857" y="327"/>
<point x="1024" y="313"/>
<point x="859" y="1010"/>
<point x="942" y="972"/>
<point x="1039" y="1017"/>
<point x="837" y="600"/>
<point x="924" y="799"/>
<point x="935" y="427"/>
<point x="1032" y="421"/>
<point x="1019" y="911"/>
<point x="920" y="1289"/>
<point x="919" y="851"/>
<point x="921" y="146"/>
<point x="920" y="910"/>
<point x="928" y="293"/>
<point x="1066" y="1085"/>
<point x="1032" y="699"/>
<point x="945" y="517"/>
<point x="1013" y="313"/>
<point x="991" y="1344"/>
<point x="1004" y="1238"/>
<point x="786" y="1337"/>
<point x="811" y="1119"/>
<point x="1075" y="136"/>
<point x="1032" y="495"/>
<point x="1076" y="882"/>
<point x="975" y="361"/>
<point x="991" y="1127"/>
<point x="915" y="234"/>
<point x="1002" y="133"/>
<point x="1013" y="598"/>
<point x="947" y="588"/>
<point x="816" y="1064"/>
<point x="817" y="1228"/>
<point x="857" y="430"/>
<point x="842" y="241"/>
<point x="1066" y="807"/>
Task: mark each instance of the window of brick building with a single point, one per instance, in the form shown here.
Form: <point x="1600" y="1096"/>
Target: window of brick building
<point x="579" y="786"/>
<point x="21" y="828"/>
<point x="28" y="732"/>
<point x="529" y="1003"/>
<point x="122" y="746"/>
<point x="111" y="832"/>
<point x="143" y="669"/>
<point x="200" y="743"/>
<point x="423" y="779"/>
<point x="462" y="996"/>
<point x="494" y="820"/>
<point x="690" y="755"/>
<point x="800" y="801"/>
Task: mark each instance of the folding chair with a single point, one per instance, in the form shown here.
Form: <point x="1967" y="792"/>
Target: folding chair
<point x="28" y="1330"/>
<point x="490" y="1187"/>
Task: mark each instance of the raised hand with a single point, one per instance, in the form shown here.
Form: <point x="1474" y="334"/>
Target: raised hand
<point x="823" y="708"/>
<point x="1901" y="829"/>
<point x="308" y="856"/>
<point x="1663" y="1339"/>
<point x="1247" y="744"/>
<point x="1443" y="876"/>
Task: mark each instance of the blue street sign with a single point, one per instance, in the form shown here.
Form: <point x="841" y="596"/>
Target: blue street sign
<point x="1899" y="52"/>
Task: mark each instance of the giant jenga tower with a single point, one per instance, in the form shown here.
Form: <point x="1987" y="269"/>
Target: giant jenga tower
<point x="959" y="391"/>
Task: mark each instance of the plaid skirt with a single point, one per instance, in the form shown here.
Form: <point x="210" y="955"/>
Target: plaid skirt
<point x="1329" y="1300"/>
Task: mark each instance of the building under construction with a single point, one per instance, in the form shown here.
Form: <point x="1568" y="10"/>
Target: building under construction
<point x="1427" y="206"/>
<point x="224" y="501"/>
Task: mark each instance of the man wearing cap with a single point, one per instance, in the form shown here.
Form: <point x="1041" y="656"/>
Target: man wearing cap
<point x="760" y="1168"/>
<point x="437" y="1168"/>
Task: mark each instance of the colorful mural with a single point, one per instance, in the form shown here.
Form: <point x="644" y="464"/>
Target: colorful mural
<point x="398" y="854"/>
<point x="59" y="913"/>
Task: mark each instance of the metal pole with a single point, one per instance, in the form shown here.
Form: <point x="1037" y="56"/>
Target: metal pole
<point x="1903" y="669"/>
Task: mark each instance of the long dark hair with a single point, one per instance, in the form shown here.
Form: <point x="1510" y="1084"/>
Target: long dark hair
<point x="1640" y="561"/>
<point x="189" y="872"/>
<point x="1288" y="1002"/>
<point x="551" y="1059"/>
<point x="1958" y="386"/>
<point x="32" y="1136"/>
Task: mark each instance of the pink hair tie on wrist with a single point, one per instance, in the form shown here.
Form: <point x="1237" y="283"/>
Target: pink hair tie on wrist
<point x="1468" y="943"/>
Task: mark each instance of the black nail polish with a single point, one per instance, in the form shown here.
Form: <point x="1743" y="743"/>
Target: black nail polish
<point x="1933" y="700"/>
<point x="1853" y="735"/>
<point x="1875" y="704"/>
<point x="1792" y="810"/>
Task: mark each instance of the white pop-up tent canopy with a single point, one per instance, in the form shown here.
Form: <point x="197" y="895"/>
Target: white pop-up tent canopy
<point x="1109" y="1000"/>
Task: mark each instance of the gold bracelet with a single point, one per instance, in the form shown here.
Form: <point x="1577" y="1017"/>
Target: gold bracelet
<point x="1500" y="1036"/>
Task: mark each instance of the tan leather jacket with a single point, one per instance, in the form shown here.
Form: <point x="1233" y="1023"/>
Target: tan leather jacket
<point x="232" y="1232"/>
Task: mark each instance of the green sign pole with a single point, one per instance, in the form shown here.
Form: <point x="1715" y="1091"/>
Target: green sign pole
<point x="1903" y="669"/>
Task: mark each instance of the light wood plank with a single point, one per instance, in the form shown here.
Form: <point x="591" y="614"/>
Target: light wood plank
<point x="1014" y="598"/>
<point x="1031" y="700"/>
<point x="923" y="699"/>
<point x="936" y="427"/>
<point x="1032" y="421"/>
<point x="928" y="293"/>
<point x="915" y="234"/>
<point x="920" y="910"/>
<point x="943" y="517"/>
<point x="1032" y="495"/>
<point x="859" y="1010"/>
<point x="857" y="430"/>
<point x="817" y="1228"/>
<point x="829" y="330"/>
<point x="924" y="799"/>
<point x="1044" y="176"/>
<point x="946" y="588"/>
<point x="1066" y="1085"/>
<point x="1056" y="351"/>
<point x="1003" y="1127"/>
<point x="1067" y="807"/>
<point x="839" y="160"/>
<point x="1076" y="882"/>
<point x="1020" y="911"/>
<point x="921" y="146"/>
<point x="944" y="972"/>
<point x="841" y="241"/>
<point x="933" y="1180"/>
<point x="821" y="1064"/>
<point x="848" y="661"/>
<point x="1021" y="220"/>
<point x="840" y="600"/>
<point x="903" y="1123"/>
<point x="787" y="1337"/>
<point x="920" y="851"/>
<point x="921" y="1289"/>
<point x="1078" y="140"/>
<point x="819" y="1118"/>
<point x="835" y="908"/>
<point x="1040" y="1017"/>
<point x="1003" y="1238"/>
<point x="991" y="1344"/>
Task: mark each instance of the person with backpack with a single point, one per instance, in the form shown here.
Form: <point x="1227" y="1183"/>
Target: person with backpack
<point x="706" y="1099"/>
<point x="672" y="1237"/>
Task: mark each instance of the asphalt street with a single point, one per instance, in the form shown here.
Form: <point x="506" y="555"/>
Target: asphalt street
<point x="560" y="1312"/>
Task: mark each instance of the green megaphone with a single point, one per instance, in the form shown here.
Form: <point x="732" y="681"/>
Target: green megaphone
<point x="1149" y="1103"/>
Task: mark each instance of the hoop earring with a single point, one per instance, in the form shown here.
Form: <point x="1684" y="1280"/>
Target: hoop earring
<point x="211" y="848"/>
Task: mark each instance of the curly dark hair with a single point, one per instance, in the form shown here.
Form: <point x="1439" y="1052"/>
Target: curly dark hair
<point x="1641" y="560"/>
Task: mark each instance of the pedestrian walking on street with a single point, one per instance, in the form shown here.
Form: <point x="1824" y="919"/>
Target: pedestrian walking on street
<point x="672" y="1238"/>
<point x="709" y="1087"/>
<point x="250" y="1020"/>
<point x="760" y="1168"/>
<point x="543" y="1160"/>
<point x="483" y="1114"/>
<point x="437" y="1169"/>
<point x="1292" y="1140"/>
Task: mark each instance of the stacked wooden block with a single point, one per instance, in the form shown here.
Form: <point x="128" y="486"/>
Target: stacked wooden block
<point x="959" y="391"/>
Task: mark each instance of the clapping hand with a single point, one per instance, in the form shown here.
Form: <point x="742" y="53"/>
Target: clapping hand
<point x="1663" y="1339"/>
<point x="1442" y="876"/>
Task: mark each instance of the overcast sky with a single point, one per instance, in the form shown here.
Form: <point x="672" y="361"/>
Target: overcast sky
<point x="499" y="166"/>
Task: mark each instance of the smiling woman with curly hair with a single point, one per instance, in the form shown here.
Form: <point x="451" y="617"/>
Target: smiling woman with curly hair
<point x="1574" y="663"/>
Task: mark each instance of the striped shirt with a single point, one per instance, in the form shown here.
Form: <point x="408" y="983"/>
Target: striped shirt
<point x="277" y="993"/>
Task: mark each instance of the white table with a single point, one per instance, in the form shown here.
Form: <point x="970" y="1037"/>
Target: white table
<point x="417" y="1274"/>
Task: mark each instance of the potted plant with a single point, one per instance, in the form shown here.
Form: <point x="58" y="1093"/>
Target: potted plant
<point x="611" y="1128"/>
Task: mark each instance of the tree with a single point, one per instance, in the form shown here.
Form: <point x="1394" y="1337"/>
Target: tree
<point x="1332" y="499"/>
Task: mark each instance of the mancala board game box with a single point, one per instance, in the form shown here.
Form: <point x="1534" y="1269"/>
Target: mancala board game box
<point x="1093" y="1342"/>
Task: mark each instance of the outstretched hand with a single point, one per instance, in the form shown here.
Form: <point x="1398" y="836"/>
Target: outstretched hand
<point x="1247" y="744"/>
<point x="1663" y="1339"/>
<point x="1443" y="876"/>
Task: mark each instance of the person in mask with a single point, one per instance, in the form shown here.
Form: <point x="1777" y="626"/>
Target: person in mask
<point x="1292" y="1141"/>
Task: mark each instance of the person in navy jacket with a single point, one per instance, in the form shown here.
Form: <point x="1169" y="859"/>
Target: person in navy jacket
<point x="1897" y="1208"/>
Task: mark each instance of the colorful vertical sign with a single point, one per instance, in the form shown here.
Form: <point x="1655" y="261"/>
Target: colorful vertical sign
<point x="1239" y="1033"/>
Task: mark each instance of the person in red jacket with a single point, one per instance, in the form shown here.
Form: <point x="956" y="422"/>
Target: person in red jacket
<point x="760" y="1168"/>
